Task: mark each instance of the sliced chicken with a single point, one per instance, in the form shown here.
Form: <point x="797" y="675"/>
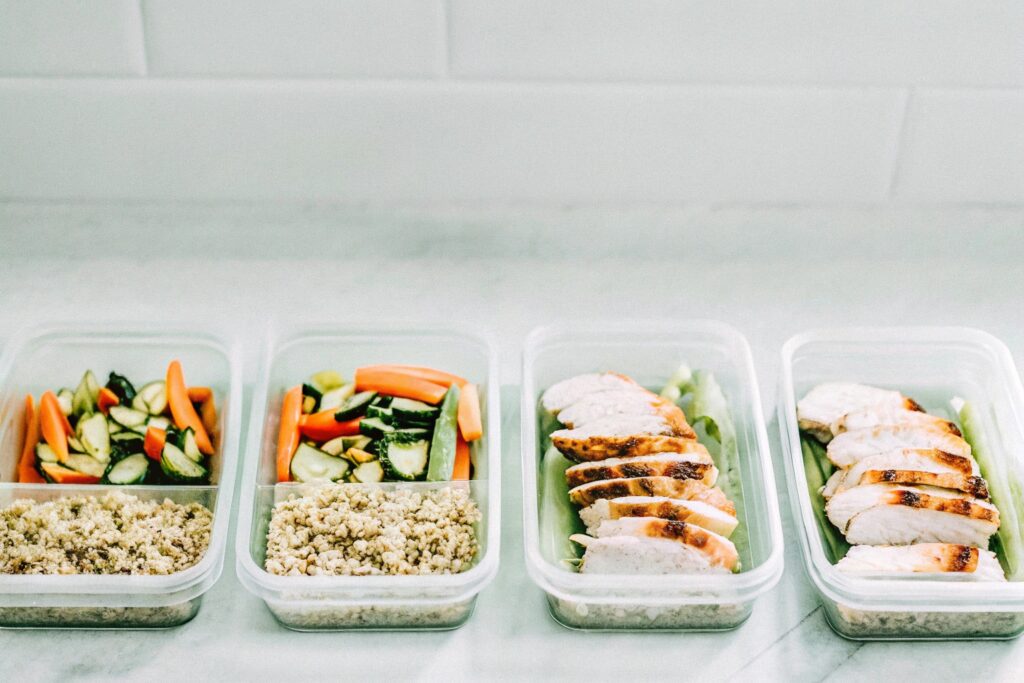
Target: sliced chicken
<point x="689" y="511"/>
<point x="633" y="555"/>
<point x="851" y="447"/>
<point x="713" y="550"/>
<point x="924" y="558"/>
<point x="887" y="514"/>
<point x="563" y="394"/>
<point x="684" y="489"/>
<point x="605" y="404"/>
<point x="575" y="444"/>
<point x="676" y="465"/>
<point x="826" y="403"/>
<point x="910" y="466"/>
<point x="877" y="416"/>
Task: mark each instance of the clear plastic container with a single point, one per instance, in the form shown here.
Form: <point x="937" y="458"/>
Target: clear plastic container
<point x="315" y="603"/>
<point x="650" y="352"/>
<point x="931" y="365"/>
<point x="50" y="357"/>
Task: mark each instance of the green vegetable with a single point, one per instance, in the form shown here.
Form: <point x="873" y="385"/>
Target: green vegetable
<point x="335" y="398"/>
<point x="404" y="456"/>
<point x="179" y="467"/>
<point x="86" y="464"/>
<point x="818" y="469"/>
<point x="65" y="399"/>
<point x="84" y="398"/>
<point x="379" y="412"/>
<point x="312" y="464"/>
<point x="1004" y="491"/>
<point x="355" y="405"/>
<point x="94" y="436"/>
<point x="559" y="518"/>
<point x="374" y="427"/>
<point x="120" y="385"/>
<point x="407" y="411"/>
<point x="128" y="417"/>
<point x="446" y="431"/>
<point x="310" y="398"/>
<point x="369" y="472"/>
<point x="151" y="398"/>
<point x="325" y="380"/>
<point x="130" y="470"/>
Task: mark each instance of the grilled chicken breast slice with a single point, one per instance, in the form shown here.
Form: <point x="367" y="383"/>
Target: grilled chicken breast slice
<point x="602" y="447"/>
<point x="851" y="447"/>
<point x="910" y="466"/>
<point x="827" y="403"/>
<point x="877" y="416"/>
<point x="922" y="558"/>
<point x="689" y="511"/>
<point x="886" y="514"/>
<point x="641" y="555"/>
<point x="563" y="394"/>
<point x="607" y="404"/>
<point x="684" y="489"/>
<point x="676" y="465"/>
<point x="716" y="550"/>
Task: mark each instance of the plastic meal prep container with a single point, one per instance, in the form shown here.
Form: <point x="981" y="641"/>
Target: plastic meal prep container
<point x="932" y="366"/>
<point x="650" y="352"/>
<point x="50" y="357"/>
<point x="312" y="603"/>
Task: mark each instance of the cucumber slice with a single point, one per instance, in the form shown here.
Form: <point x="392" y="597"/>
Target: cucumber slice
<point x="374" y="427"/>
<point x="404" y="457"/>
<point x="369" y="472"/>
<point x="310" y="398"/>
<point x="65" y="399"/>
<point x="86" y="464"/>
<point x="446" y="430"/>
<point x="128" y="417"/>
<point x="382" y="401"/>
<point x="158" y="422"/>
<point x="152" y="398"/>
<point x="325" y="380"/>
<point x="380" y="412"/>
<point x="408" y="410"/>
<point x="44" y="453"/>
<point x="179" y="467"/>
<point x="126" y="436"/>
<point x="121" y="387"/>
<point x="92" y="432"/>
<point x="355" y="405"/>
<point x="335" y="398"/>
<point x="190" y="447"/>
<point x="84" y="398"/>
<point x="131" y="470"/>
<point x="75" y="445"/>
<point x="312" y="464"/>
<point x="339" y="445"/>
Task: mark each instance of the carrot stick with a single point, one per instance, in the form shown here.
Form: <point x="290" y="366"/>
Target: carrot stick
<point x="184" y="413"/>
<point x="27" y="473"/>
<point x="288" y="433"/>
<point x="51" y="425"/>
<point x="200" y="394"/>
<point x="64" y="475"/>
<point x="460" y="472"/>
<point x="208" y="414"/>
<point x="445" y="379"/>
<point x="154" y="442"/>
<point x="397" y="384"/>
<point x="322" y="426"/>
<point x="469" y="414"/>
<point x="106" y="399"/>
<point x="63" y="419"/>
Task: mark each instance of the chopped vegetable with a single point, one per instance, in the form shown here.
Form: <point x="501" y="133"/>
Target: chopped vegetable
<point x="200" y="394"/>
<point x="84" y="399"/>
<point x="151" y="398"/>
<point x="128" y="417"/>
<point x="442" y="447"/>
<point x="288" y="432"/>
<point x="397" y="384"/>
<point x="65" y="398"/>
<point x="354" y="405"/>
<point x="59" y="474"/>
<point x="445" y="379"/>
<point x="107" y="398"/>
<point x="404" y="455"/>
<point x="469" y="413"/>
<point x="27" y="473"/>
<point x="208" y="415"/>
<point x="179" y="467"/>
<point x="369" y="472"/>
<point x="130" y="470"/>
<point x="154" y="443"/>
<point x="325" y="380"/>
<point x="374" y="427"/>
<point x="121" y="387"/>
<point x="94" y="436"/>
<point x="322" y="426"/>
<point x="312" y="464"/>
<point x="335" y="398"/>
<point x="181" y="408"/>
<point x="52" y="424"/>
<point x="460" y="472"/>
<point x="86" y="464"/>
<point x="408" y="411"/>
<point x="310" y="398"/>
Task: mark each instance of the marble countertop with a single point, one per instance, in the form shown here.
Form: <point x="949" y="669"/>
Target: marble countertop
<point x="770" y="272"/>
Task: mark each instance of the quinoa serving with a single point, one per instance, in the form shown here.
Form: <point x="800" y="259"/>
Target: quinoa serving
<point x="359" y="531"/>
<point x="114" y="534"/>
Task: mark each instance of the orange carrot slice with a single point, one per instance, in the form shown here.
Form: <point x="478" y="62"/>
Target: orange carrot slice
<point x="51" y="424"/>
<point x="445" y="379"/>
<point x="208" y="414"/>
<point x="288" y="433"/>
<point x="64" y="475"/>
<point x="392" y="383"/>
<point x="106" y="399"/>
<point x="27" y="473"/>
<point x="460" y="472"/>
<point x="200" y="394"/>
<point x="470" y="425"/>
<point x="322" y="426"/>
<point x="154" y="442"/>
<point x="184" y="413"/>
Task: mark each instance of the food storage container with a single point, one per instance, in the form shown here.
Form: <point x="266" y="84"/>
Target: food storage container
<point x="49" y="357"/>
<point x="312" y="603"/>
<point x="931" y="365"/>
<point x="650" y="352"/>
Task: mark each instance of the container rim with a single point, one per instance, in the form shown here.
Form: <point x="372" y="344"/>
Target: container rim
<point x="692" y="589"/>
<point x="888" y="594"/>
<point x="463" y="585"/>
<point x="168" y="589"/>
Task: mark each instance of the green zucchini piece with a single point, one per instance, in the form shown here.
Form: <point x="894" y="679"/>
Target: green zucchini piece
<point x="355" y="405"/>
<point x="374" y="427"/>
<point x="336" y="398"/>
<point x="86" y="464"/>
<point x="369" y="472"/>
<point x="128" y="417"/>
<point x="381" y="412"/>
<point x="382" y="401"/>
<point x="120" y="385"/>
<point x="95" y="438"/>
<point x="325" y="380"/>
<point x="189" y="445"/>
<point x="84" y="398"/>
<point x="403" y="456"/>
<point x="446" y="431"/>
<point x="151" y="398"/>
<point x="65" y="399"/>
<point x="130" y="470"/>
<point x="312" y="464"/>
<point x="408" y="410"/>
<point x="44" y="453"/>
<point x="179" y="467"/>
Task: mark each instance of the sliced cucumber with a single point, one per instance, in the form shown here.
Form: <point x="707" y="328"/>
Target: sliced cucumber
<point x="374" y="427"/>
<point x="92" y="432"/>
<point x="180" y="467"/>
<point x="339" y="445"/>
<point x="122" y="448"/>
<point x="369" y="472"/>
<point x="158" y="422"/>
<point x="65" y="399"/>
<point x="128" y="417"/>
<point x="325" y="380"/>
<point x="382" y="401"/>
<point x="121" y="387"/>
<point x="310" y="398"/>
<point x="126" y="436"/>
<point x="408" y="410"/>
<point x="86" y="464"/>
<point x="404" y="456"/>
<point x="44" y="453"/>
<point x="190" y="447"/>
<point x="381" y="413"/>
<point x="335" y="398"/>
<point x="131" y="470"/>
<point x="355" y="405"/>
<point x="75" y="445"/>
<point x="84" y="398"/>
<point x="312" y="464"/>
<point x="151" y="398"/>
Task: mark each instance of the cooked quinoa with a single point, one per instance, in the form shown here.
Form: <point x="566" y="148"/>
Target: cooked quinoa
<point x="115" y="534"/>
<point x="356" y="530"/>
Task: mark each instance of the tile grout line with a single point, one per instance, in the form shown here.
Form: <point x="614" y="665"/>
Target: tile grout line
<point x="899" y="144"/>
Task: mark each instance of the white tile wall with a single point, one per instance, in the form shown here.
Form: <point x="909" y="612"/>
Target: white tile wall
<point x="305" y="38"/>
<point x="62" y="37"/>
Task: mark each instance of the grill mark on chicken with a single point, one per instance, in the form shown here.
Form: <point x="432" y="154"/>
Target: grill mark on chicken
<point x="963" y="558"/>
<point x="953" y="461"/>
<point x="604" y="447"/>
<point x="976" y="486"/>
<point x="911" y="404"/>
<point x="956" y="506"/>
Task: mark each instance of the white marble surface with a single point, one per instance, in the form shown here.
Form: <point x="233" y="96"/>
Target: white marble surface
<point x="771" y="272"/>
